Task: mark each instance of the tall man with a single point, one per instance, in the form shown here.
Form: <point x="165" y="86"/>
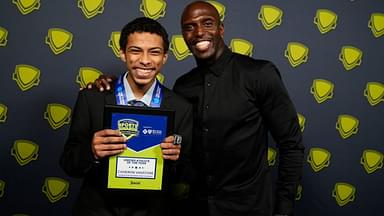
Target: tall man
<point x="236" y="101"/>
<point x="144" y="45"/>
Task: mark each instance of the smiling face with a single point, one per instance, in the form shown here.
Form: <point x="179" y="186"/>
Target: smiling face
<point x="144" y="56"/>
<point x="202" y="31"/>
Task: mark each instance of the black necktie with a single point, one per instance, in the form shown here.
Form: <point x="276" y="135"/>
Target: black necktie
<point x="136" y="103"/>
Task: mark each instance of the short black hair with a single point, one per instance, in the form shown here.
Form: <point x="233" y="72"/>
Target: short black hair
<point x="140" y="25"/>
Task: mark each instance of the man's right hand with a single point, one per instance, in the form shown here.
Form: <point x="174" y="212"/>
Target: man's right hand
<point x="102" y="82"/>
<point x="107" y="142"/>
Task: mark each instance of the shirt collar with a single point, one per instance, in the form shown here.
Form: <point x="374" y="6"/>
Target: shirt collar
<point x="130" y="96"/>
<point x="220" y="64"/>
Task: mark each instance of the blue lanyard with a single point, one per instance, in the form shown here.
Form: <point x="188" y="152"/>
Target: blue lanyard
<point x="121" y="97"/>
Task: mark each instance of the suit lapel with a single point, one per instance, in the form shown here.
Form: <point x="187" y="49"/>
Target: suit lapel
<point x="165" y="101"/>
<point x="110" y="98"/>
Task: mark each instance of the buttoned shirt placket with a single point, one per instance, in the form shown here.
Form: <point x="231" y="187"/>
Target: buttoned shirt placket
<point x="210" y="80"/>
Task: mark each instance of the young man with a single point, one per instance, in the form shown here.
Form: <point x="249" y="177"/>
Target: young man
<point x="237" y="100"/>
<point x="144" y="45"/>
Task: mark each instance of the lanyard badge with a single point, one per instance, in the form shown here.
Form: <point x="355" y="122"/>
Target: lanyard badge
<point x="121" y="97"/>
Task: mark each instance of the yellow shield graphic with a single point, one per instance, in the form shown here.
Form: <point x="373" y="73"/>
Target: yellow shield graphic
<point x="26" y="6"/>
<point x="59" y="40"/>
<point x="2" y="188"/>
<point x="297" y="53"/>
<point x="114" y="43"/>
<point x="3" y="112"/>
<point x="351" y="57"/>
<point x="374" y="91"/>
<point x="343" y="193"/>
<point x="319" y="158"/>
<point x="241" y="46"/>
<point x="25" y="151"/>
<point x="153" y="9"/>
<point x="271" y="156"/>
<point x="3" y="37"/>
<point x="325" y="20"/>
<point x="347" y="125"/>
<point x="160" y="77"/>
<point x="298" y="192"/>
<point x="91" y="8"/>
<point x="322" y="90"/>
<point x="57" y="115"/>
<point x="87" y="75"/>
<point x="270" y="16"/>
<point x="179" y="48"/>
<point x="220" y="8"/>
<point x="55" y="188"/>
<point x="372" y="160"/>
<point x="26" y="76"/>
<point x="301" y="119"/>
<point x="376" y="24"/>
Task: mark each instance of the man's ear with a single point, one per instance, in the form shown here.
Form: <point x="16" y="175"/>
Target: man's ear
<point x="122" y="55"/>
<point x="221" y="29"/>
<point x="165" y="57"/>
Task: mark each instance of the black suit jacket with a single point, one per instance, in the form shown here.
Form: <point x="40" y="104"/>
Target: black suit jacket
<point x="77" y="159"/>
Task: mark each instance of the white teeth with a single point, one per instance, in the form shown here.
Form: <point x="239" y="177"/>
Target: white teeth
<point x="144" y="70"/>
<point x="202" y="45"/>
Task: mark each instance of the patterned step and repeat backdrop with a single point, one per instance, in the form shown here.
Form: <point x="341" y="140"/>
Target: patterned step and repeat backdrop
<point x="330" y="54"/>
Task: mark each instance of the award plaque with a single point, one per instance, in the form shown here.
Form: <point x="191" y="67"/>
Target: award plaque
<point x="140" y="166"/>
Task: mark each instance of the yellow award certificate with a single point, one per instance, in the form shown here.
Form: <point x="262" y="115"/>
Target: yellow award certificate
<point x="140" y="166"/>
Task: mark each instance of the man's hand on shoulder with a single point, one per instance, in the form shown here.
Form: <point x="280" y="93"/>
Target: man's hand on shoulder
<point x="103" y="82"/>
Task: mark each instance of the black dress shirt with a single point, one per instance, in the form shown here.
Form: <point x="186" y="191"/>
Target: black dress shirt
<point x="236" y="102"/>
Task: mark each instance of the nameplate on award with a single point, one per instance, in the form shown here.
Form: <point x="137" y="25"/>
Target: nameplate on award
<point x="141" y="164"/>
